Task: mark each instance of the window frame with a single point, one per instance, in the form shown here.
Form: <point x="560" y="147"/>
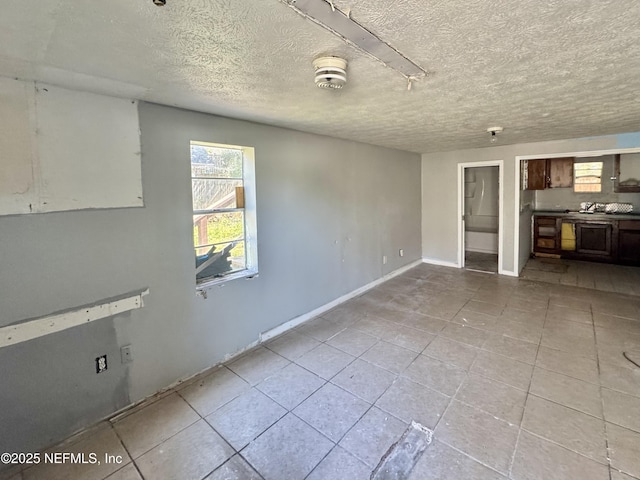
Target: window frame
<point x="249" y="211"/>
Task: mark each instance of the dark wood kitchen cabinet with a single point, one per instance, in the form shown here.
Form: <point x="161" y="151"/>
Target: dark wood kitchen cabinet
<point x="594" y="239"/>
<point x="546" y="234"/>
<point x="549" y="173"/>
<point x="629" y="242"/>
<point x="604" y="239"/>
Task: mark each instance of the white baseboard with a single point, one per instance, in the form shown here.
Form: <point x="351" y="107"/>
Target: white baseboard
<point x="508" y="273"/>
<point x="280" y="329"/>
<point x="442" y="263"/>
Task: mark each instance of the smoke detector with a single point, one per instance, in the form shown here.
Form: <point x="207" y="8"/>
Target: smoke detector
<point x="331" y="72"/>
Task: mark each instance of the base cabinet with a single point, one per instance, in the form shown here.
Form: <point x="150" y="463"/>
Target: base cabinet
<point x="612" y="241"/>
<point x="629" y="242"/>
<point x="594" y="238"/>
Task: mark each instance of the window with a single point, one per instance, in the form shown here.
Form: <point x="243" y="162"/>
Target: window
<point x="587" y="177"/>
<point x="223" y="211"/>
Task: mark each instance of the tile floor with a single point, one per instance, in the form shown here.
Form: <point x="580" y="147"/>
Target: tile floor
<point x="484" y="262"/>
<point x="518" y="379"/>
<point x="597" y="276"/>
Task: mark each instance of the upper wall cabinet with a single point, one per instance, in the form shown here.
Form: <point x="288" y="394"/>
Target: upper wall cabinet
<point x="626" y="175"/>
<point x="548" y="173"/>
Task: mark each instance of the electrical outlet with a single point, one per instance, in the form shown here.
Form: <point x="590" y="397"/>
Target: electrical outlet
<point x="384" y="259"/>
<point x="125" y="354"/>
<point x="101" y="363"/>
<point x="401" y="252"/>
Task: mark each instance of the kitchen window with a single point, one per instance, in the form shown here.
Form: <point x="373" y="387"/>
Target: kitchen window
<point x="224" y="221"/>
<point x="587" y="177"/>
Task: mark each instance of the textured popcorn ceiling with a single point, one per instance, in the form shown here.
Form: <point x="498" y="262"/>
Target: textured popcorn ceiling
<point x="541" y="69"/>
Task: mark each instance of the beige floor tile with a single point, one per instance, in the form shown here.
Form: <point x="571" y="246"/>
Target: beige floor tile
<point x="236" y="468"/>
<point x="498" y="399"/>
<point x="483" y="307"/>
<point x="519" y="330"/>
<point x="193" y="453"/>
<point x="151" y="426"/>
<point x="449" y="351"/>
<point x="352" y="341"/>
<point x="625" y="380"/>
<point x="618" y="337"/>
<point x="621" y="409"/>
<point x="616" y="475"/>
<point x="423" y="322"/>
<point x="372" y="436"/>
<point x="129" y="472"/>
<point x="511" y="347"/>
<point x="374" y="326"/>
<point x="473" y="319"/>
<point x="100" y="440"/>
<point x="290" y="386"/>
<point x="525" y="316"/>
<point x="538" y="459"/>
<point x="435" y="374"/>
<point x="389" y="356"/>
<point x="245" y="417"/>
<point x="364" y="380"/>
<point x="624" y="449"/>
<point x="568" y="302"/>
<point x="460" y="333"/>
<point x="569" y="343"/>
<point x="257" y="364"/>
<point x="603" y="320"/>
<point x="320" y="328"/>
<point x="568" y="391"/>
<point x="441" y="462"/>
<point x="409" y="338"/>
<point x="574" y="430"/>
<point x="211" y="392"/>
<point x="292" y="345"/>
<point x="572" y="365"/>
<point x="410" y="401"/>
<point x="332" y="411"/>
<point x="325" y="361"/>
<point x="478" y="434"/>
<point x="290" y="449"/>
<point x="562" y="327"/>
<point x="571" y="314"/>
<point x="503" y="369"/>
<point x="339" y="464"/>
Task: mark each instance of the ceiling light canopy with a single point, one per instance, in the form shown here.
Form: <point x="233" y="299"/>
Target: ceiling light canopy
<point x="494" y="131"/>
<point x="331" y="72"/>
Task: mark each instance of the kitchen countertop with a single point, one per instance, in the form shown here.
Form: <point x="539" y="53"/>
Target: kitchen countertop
<point x="587" y="216"/>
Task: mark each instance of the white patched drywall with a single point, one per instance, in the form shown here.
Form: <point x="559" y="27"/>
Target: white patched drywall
<point x="64" y="150"/>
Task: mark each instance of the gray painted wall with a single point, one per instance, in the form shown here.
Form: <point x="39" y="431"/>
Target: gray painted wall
<point x="328" y="210"/>
<point x="440" y="202"/>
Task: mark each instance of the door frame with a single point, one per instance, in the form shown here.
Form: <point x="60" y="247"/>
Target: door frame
<point x="461" y="243"/>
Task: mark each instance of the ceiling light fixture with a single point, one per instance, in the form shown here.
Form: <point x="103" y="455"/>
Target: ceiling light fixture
<point x="160" y="3"/>
<point x="331" y="72"/>
<point x="494" y="131"/>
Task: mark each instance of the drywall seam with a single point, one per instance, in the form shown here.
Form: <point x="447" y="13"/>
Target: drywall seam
<point x="280" y="329"/>
<point x="25" y="331"/>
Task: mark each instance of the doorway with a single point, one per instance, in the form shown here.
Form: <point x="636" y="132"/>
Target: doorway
<point x="480" y="216"/>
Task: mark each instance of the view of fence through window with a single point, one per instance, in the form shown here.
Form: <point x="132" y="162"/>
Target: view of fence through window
<point x="218" y="209"/>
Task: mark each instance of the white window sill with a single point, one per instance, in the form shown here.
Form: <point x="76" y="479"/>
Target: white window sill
<point x="221" y="281"/>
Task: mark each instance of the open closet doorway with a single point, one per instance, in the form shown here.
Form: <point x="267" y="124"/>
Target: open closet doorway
<point x="480" y="215"/>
